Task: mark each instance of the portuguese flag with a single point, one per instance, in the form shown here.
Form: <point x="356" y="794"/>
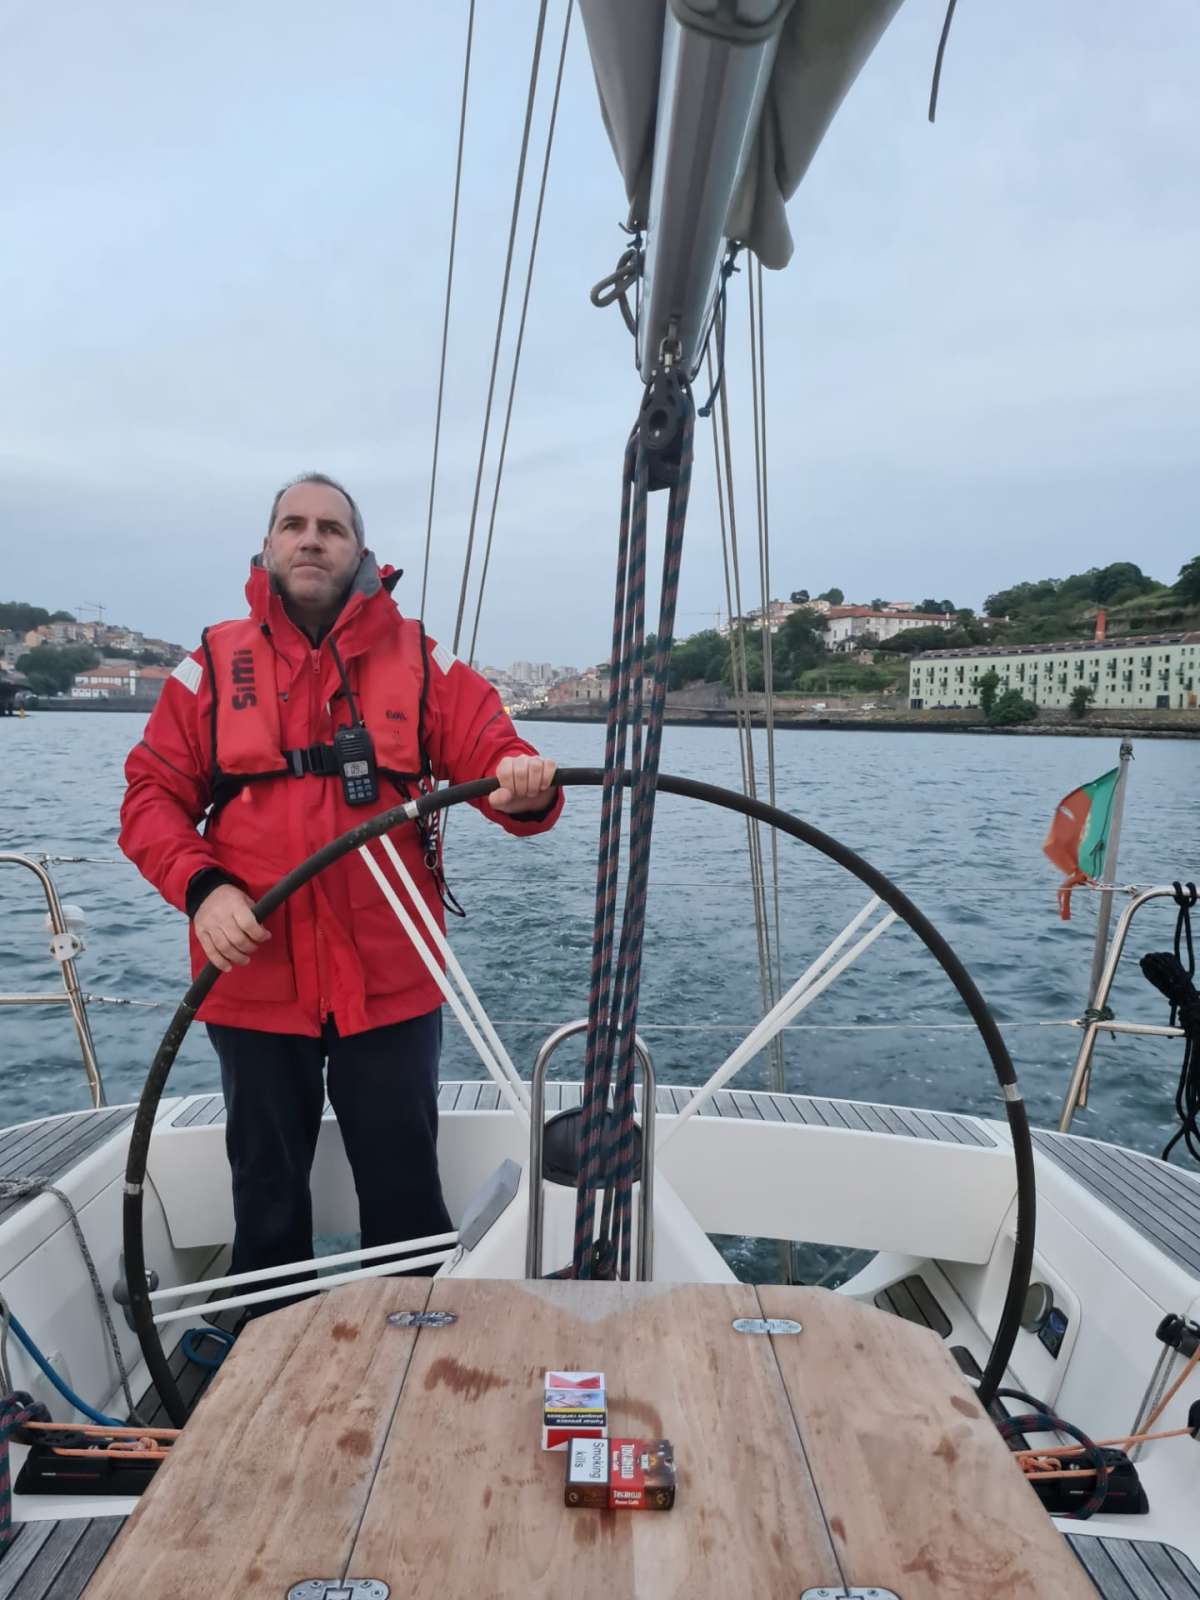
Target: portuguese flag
<point x="1078" y="837"/>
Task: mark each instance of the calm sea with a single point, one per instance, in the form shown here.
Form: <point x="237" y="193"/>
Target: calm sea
<point x="957" y="821"/>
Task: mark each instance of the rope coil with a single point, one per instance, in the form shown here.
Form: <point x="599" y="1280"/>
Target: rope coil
<point x="1172" y="977"/>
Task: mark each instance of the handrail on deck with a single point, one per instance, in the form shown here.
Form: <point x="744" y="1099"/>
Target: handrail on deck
<point x="1093" y="1021"/>
<point x="64" y="946"/>
<point x="537" y="1134"/>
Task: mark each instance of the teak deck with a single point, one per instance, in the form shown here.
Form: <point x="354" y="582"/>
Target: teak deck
<point x="334" y="1444"/>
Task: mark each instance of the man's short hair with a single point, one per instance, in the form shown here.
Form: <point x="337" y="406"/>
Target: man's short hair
<point x="356" y="520"/>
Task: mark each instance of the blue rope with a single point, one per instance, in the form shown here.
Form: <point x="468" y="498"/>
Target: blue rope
<point x="48" y="1371"/>
<point x="192" y="1338"/>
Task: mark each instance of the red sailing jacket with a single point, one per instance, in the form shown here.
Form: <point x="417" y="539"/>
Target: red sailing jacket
<point x="336" y="949"/>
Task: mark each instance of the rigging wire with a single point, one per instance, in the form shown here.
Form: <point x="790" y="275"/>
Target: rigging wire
<point x="534" y="69"/>
<point x="437" y="425"/>
<point x="758" y="401"/>
<point x="937" y="65"/>
<point x="512" y="386"/>
<point x="739" y="665"/>
<point x="741" y="680"/>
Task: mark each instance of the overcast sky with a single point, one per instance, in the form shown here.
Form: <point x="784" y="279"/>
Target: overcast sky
<point x="223" y="255"/>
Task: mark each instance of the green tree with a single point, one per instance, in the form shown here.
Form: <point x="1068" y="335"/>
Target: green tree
<point x="50" y="669"/>
<point x="799" y="597"/>
<point x="989" y="687"/>
<point x="1021" y="598"/>
<point x="1011" y="708"/>
<point x="1081" y="698"/>
<point x="697" y="659"/>
<point x="1187" y="584"/>
<point x="835" y="597"/>
<point x="799" y="644"/>
<point x="18" y="616"/>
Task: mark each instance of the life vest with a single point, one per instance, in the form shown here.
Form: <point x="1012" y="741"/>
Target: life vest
<point x="246" y="745"/>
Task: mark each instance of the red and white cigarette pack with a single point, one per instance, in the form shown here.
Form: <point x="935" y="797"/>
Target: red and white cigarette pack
<point x="575" y="1408"/>
<point x="621" y="1474"/>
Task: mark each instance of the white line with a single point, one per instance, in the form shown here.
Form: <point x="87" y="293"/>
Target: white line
<point x="443" y="944"/>
<point x="306" y="1286"/>
<point x="206" y="1285"/>
<point x="798" y="998"/>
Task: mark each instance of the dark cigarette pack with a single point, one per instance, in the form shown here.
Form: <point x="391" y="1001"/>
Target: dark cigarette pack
<point x="621" y="1474"/>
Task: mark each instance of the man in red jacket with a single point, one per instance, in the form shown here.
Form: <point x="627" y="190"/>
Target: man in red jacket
<point x="262" y="732"/>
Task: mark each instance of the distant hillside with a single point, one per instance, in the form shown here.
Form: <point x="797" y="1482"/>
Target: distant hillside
<point x="1053" y="610"/>
<point x="1066" y="608"/>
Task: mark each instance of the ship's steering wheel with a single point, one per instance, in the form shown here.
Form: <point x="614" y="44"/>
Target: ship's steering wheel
<point x="590" y="777"/>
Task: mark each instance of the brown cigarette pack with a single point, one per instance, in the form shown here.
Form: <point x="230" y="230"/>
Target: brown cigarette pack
<point x="621" y="1474"/>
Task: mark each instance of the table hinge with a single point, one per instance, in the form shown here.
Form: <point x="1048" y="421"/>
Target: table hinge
<point x="339" y="1589"/>
<point x="422" y="1319"/>
<point x="842" y="1593"/>
<point x="769" y="1325"/>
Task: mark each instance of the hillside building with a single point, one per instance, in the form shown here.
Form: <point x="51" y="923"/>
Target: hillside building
<point x="119" y="680"/>
<point x="846" y="625"/>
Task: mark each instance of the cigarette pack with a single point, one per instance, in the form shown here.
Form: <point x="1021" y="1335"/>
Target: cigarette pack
<point x="575" y="1408"/>
<point x="621" y="1474"/>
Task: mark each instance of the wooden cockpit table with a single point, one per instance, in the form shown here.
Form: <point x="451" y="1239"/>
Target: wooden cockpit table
<point x="337" y="1445"/>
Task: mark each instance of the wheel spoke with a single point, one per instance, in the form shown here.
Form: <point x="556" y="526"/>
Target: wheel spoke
<point x="499" y="1067"/>
<point x="813" y="981"/>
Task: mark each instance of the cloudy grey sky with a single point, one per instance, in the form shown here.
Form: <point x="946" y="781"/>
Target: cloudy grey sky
<point x="223" y="254"/>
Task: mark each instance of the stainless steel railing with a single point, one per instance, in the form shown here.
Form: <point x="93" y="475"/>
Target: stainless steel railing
<point x="1095" y="1021"/>
<point x="65" y="945"/>
<point x="537" y="1130"/>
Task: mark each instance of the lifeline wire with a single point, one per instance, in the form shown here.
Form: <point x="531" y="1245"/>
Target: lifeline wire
<point x="706" y="1027"/>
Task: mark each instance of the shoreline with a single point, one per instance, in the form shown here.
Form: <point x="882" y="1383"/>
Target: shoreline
<point x="689" y="717"/>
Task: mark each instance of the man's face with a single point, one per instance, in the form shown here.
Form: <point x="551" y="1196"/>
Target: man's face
<point x="311" y="550"/>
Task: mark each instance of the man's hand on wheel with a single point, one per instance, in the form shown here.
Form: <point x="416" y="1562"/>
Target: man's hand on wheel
<point x="526" y="784"/>
<point x="228" y="931"/>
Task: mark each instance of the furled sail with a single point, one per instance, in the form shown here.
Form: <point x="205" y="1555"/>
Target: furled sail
<point x="715" y="109"/>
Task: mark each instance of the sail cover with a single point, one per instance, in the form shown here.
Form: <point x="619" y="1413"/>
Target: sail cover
<point x="821" y="46"/>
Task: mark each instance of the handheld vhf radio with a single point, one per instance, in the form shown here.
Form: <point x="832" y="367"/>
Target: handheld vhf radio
<point x="354" y="750"/>
<point x="354" y="753"/>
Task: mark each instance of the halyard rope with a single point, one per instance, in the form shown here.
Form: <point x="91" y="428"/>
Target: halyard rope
<point x="607" y="1156"/>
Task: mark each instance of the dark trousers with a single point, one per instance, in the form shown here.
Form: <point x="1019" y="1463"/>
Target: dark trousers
<point x="383" y="1087"/>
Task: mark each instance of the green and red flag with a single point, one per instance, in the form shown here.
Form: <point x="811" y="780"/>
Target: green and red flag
<point x="1078" y="837"/>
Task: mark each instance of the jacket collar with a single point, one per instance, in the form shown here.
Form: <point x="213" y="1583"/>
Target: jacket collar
<point x="369" y="596"/>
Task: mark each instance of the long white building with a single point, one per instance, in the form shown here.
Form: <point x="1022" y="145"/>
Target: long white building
<point x="1146" y="672"/>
